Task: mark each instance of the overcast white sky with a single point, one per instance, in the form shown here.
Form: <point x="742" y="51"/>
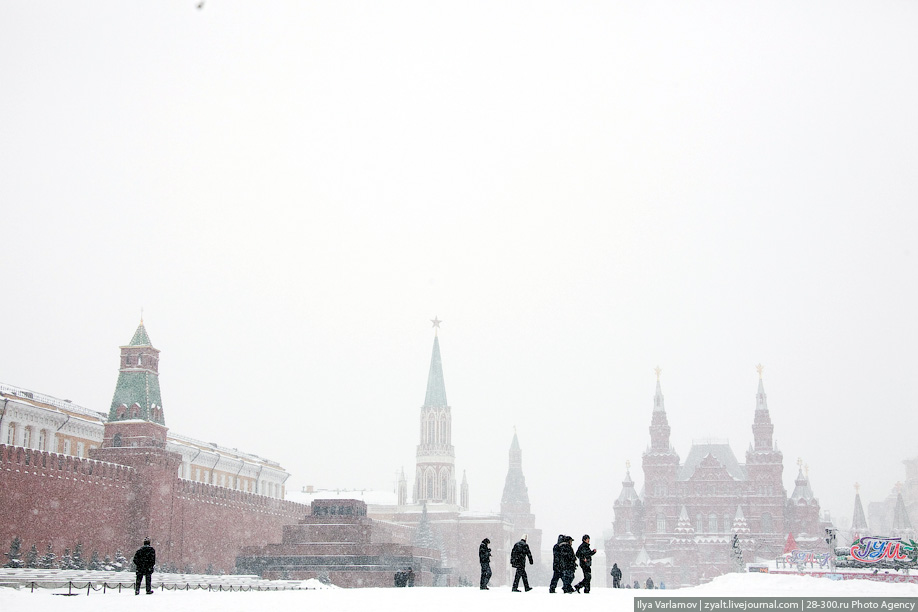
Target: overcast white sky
<point x="580" y="190"/>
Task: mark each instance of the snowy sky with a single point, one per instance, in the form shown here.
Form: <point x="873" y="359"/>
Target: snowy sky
<point x="581" y="191"/>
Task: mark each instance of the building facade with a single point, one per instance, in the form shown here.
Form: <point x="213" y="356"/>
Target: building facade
<point x="70" y="476"/>
<point x="679" y="528"/>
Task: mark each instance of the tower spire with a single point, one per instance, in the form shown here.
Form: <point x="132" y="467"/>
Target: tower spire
<point x="435" y="469"/>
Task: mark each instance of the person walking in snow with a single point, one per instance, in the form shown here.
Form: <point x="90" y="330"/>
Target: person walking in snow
<point x="556" y="564"/>
<point x="518" y="557"/>
<point x="484" y="557"/>
<point x="568" y="564"/>
<point x="144" y="561"/>
<point x="649" y="583"/>
<point x="585" y="556"/>
<point x="616" y="576"/>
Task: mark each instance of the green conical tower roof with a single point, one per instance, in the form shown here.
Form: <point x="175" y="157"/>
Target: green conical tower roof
<point x="140" y="337"/>
<point x="138" y="382"/>
<point x="436" y="388"/>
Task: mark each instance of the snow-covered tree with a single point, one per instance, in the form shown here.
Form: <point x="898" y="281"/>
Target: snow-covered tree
<point x="47" y="559"/>
<point x="77" y="559"/>
<point x="424" y="537"/>
<point x="67" y="560"/>
<point x="121" y="562"/>
<point x="32" y="557"/>
<point x="14" y="557"/>
<point x="107" y="565"/>
<point x="94" y="562"/>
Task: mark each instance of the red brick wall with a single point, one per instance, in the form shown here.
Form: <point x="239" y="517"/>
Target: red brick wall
<point x="46" y="497"/>
<point x="61" y="499"/>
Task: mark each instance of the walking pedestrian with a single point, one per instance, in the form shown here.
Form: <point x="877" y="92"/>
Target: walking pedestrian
<point x="556" y="564"/>
<point x="568" y="564"/>
<point x="144" y="562"/>
<point x="484" y="557"/>
<point x="616" y="576"/>
<point x="585" y="556"/>
<point x="518" y="557"/>
<point x="649" y="583"/>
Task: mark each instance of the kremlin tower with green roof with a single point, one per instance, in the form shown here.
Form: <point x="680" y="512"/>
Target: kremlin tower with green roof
<point x="137" y="393"/>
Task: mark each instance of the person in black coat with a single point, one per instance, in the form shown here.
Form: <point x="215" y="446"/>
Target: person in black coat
<point x="518" y="557"/>
<point x="144" y="561"/>
<point x="585" y="556"/>
<point x="484" y="557"/>
<point x="556" y="564"/>
<point x="616" y="576"/>
<point x="568" y="564"/>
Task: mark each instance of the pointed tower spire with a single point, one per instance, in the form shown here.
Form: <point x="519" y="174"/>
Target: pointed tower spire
<point x="901" y="525"/>
<point x="436" y="387"/>
<point x="515" y="500"/>
<point x="859" y="526"/>
<point x="435" y="471"/>
<point x="659" y="424"/>
<point x="762" y="429"/>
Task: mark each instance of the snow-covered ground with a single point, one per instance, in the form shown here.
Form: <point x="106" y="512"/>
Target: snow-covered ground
<point x="443" y="599"/>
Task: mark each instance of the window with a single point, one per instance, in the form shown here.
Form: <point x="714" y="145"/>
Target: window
<point x="43" y="439"/>
<point x="27" y="437"/>
<point x="11" y="434"/>
<point x="626" y="526"/>
<point x="120" y="412"/>
<point x="712" y="523"/>
<point x="699" y="524"/>
<point x="728" y="522"/>
<point x="430" y="485"/>
<point x="661" y="523"/>
<point x="135" y="411"/>
<point x="116" y="440"/>
<point x="67" y="447"/>
<point x="80" y="449"/>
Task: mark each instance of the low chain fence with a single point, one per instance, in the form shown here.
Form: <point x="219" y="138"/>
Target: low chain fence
<point x="104" y="587"/>
<point x="81" y="582"/>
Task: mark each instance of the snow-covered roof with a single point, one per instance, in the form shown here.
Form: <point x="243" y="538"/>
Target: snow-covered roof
<point x="720" y="451"/>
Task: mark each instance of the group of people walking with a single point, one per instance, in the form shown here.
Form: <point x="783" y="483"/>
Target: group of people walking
<point x="518" y="557"/>
<point x="564" y="564"/>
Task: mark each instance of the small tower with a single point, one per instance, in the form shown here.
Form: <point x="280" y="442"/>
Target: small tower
<point x="859" y="526"/>
<point x="464" y="493"/>
<point x="136" y="415"/>
<point x="803" y="507"/>
<point x="765" y="469"/>
<point x="514" y="503"/>
<point x="660" y="464"/>
<point x="402" y="489"/>
<point x="435" y="479"/>
<point x="901" y="525"/>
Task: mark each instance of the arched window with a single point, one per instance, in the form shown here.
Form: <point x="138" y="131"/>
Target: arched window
<point x="135" y="411"/>
<point x="27" y="437"/>
<point x="11" y="434"/>
<point x="699" y="524"/>
<point x="429" y="493"/>
<point x="661" y="523"/>
<point x="712" y="523"/>
<point x="444" y="487"/>
<point x="443" y="437"/>
<point x="42" y="439"/>
<point x="116" y="440"/>
<point x="139" y="360"/>
<point x="728" y="522"/>
<point x="431" y="430"/>
<point x="67" y="447"/>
